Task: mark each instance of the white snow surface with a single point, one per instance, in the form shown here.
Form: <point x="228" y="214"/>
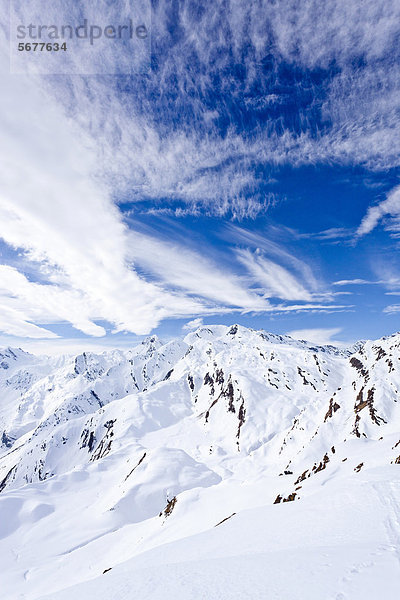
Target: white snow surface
<point x="232" y="464"/>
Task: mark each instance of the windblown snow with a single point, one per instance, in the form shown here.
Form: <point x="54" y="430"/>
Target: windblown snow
<point x="231" y="464"/>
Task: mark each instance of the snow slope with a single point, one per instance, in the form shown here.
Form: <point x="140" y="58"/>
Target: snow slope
<point x="116" y="468"/>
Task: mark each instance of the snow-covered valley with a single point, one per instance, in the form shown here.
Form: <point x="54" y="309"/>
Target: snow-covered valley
<point x="230" y="464"/>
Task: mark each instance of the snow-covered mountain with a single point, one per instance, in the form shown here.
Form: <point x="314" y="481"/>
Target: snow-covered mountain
<point x="116" y="469"/>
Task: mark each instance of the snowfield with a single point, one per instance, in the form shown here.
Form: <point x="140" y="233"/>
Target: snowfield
<point x="232" y="464"/>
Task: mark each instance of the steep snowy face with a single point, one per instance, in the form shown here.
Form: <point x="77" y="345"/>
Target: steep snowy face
<point x="19" y="372"/>
<point x="248" y="386"/>
<point x="184" y="432"/>
<point x="377" y="384"/>
<point x="357" y="427"/>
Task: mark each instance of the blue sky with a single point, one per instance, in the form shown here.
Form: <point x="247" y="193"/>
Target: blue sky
<point x="251" y="176"/>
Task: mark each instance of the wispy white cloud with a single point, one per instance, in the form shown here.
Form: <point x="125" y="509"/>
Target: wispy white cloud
<point x="334" y="234"/>
<point x="388" y="280"/>
<point x="355" y="282"/>
<point x="312" y="33"/>
<point x="64" y="222"/>
<point x="276" y="280"/>
<point x="45" y="303"/>
<point x="389" y="207"/>
<point x="392" y="309"/>
<point x="311" y="308"/>
<point x="145" y="152"/>
<point x="72" y="147"/>
<point x="322" y="337"/>
<point x="280" y="273"/>
<point x="180" y="267"/>
<point x="62" y="219"/>
<point x="194" y="324"/>
<point x="15" y="322"/>
<point x="241" y="236"/>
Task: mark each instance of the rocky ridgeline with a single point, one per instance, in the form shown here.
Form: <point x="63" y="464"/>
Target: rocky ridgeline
<point x="230" y="396"/>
